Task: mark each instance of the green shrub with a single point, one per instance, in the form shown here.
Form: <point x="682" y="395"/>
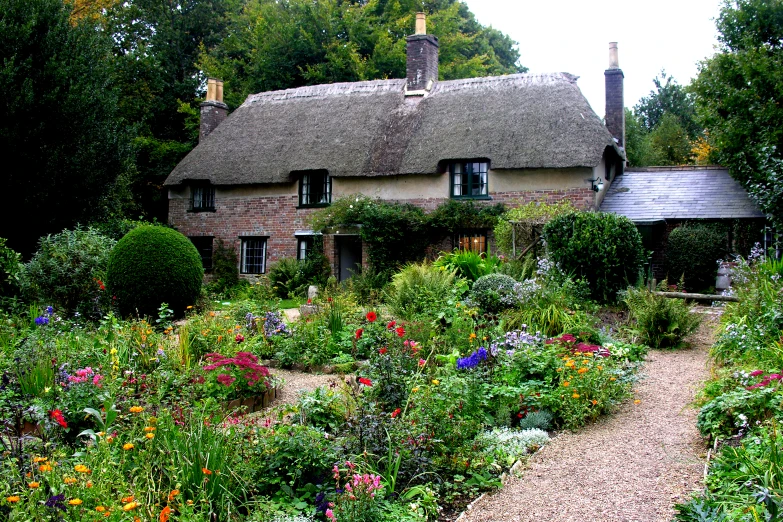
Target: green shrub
<point x="494" y="292"/>
<point x="419" y="288"/>
<point x="10" y="270"/>
<point x="604" y="249"/>
<point x="152" y="265"/>
<point x="469" y="264"/>
<point x="692" y="252"/>
<point x="290" y="278"/>
<point x="68" y="270"/>
<point x="529" y="219"/>
<point x="225" y="271"/>
<point x="661" y="322"/>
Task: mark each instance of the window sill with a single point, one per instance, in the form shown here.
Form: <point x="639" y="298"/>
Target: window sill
<point x="199" y="210"/>
<point x="314" y="205"/>
<point x="485" y="197"/>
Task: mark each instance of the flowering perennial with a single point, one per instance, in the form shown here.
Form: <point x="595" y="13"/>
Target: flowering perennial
<point x="473" y="360"/>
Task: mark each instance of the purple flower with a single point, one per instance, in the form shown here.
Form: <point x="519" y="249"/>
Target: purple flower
<point x="40" y="321"/>
<point x="56" y="502"/>
<point x="225" y="379"/>
<point x="473" y="360"/>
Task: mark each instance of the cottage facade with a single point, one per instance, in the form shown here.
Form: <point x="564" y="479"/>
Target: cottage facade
<point x="255" y="178"/>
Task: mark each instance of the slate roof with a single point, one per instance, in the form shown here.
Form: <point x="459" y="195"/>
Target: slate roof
<point x="372" y="129"/>
<point x="678" y="193"/>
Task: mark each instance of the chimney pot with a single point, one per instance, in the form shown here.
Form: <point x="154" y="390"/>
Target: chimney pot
<point x="211" y="89"/>
<point x="614" y="62"/>
<point x="213" y="110"/>
<point x="219" y="90"/>
<point x="421" y="23"/>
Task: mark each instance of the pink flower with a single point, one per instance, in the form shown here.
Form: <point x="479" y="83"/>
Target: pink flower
<point x="756" y="373"/>
<point x="239" y="338"/>
<point x="422" y="362"/>
<point x="225" y="379"/>
<point x="330" y="514"/>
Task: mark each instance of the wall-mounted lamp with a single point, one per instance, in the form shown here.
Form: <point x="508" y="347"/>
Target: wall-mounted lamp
<point x="597" y="184"/>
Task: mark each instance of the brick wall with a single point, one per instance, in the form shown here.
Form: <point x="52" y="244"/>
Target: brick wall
<point x="615" y="108"/>
<point x="278" y="218"/>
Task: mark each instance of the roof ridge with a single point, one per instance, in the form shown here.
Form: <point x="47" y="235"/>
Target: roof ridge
<point x="328" y="89"/>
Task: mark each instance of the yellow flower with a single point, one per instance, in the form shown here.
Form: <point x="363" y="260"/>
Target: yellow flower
<point x="101" y="433"/>
<point x="189" y="307"/>
<point x="45" y="467"/>
<point x="575" y="396"/>
<point x="566" y="383"/>
<point x="559" y="369"/>
<point x="582" y="370"/>
<point x="149" y="428"/>
<point x="40" y="459"/>
<point x="600" y="368"/>
<point x="34" y="485"/>
<point x="13" y="499"/>
<point x="472" y="335"/>
<point x="70" y="480"/>
<point x="81" y="468"/>
<point x="100" y="509"/>
<point x="136" y="409"/>
<point x="570" y="363"/>
<point x="130" y="506"/>
<point x="612" y="379"/>
<point x="150" y="436"/>
<point x="415" y="389"/>
<point x="435" y="382"/>
<point x="637" y="401"/>
<point x="128" y="446"/>
<point x="75" y="502"/>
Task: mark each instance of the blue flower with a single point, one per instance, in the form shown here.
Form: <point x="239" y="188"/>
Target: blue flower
<point x="473" y="360"/>
<point x="41" y="320"/>
<point x="49" y="310"/>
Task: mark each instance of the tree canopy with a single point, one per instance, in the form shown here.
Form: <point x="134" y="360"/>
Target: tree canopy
<point x="740" y="99"/>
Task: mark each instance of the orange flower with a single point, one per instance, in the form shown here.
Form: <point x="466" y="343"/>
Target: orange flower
<point x="89" y="483"/>
<point x="81" y="468"/>
<point x="128" y="446"/>
<point x="75" y="502"/>
<point x="149" y="428"/>
<point x="130" y="506"/>
<point x="34" y="485"/>
<point x="70" y="480"/>
<point x="45" y="467"/>
<point x="594" y="402"/>
<point x="136" y="409"/>
<point x="174" y="493"/>
<point x="164" y="514"/>
<point x="637" y="401"/>
<point x="109" y="439"/>
<point x="581" y="370"/>
<point x="612" y="379"/>
<point x="566" y="384"/>
<point x="150" y="436"/>
<point x="40" y="459"/>
<point x="13" y="499"/>
<point x="206" y="471"/>
<point x="100" y="509"/>
<point x="127" y="499"/>
<point x="575" y="396"/>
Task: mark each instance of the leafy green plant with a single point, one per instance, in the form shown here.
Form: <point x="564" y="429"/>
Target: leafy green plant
<point x="661" y="322"/>
<point x="419" y="288"/>
<point x="494" y="292"/>
<point x="10" y="270"/>
<point x="151" y="265"/>
<point x="523" y="225"/>
<point x="603" y="249"/>
<point x="67" y="271"/>
<point x="468" y="264"/>
<point x="692" y="251"/>
<point x="225" y="271"/>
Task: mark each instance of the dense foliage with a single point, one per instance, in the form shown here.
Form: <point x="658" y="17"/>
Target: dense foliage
<point x="153" y="265"/>
<point x="692" y="253"/>
<point x="741" y="408"/>
<point x="68" y="271"/>
<point x="739" y="92"/>
<point x="523" y="225"/>
<point x="603" y="249"/>
<point x="60" y="118"/>
<point x="660" y="322"/>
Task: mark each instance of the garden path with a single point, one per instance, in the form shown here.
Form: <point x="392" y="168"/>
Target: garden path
<point x="633" y="465"/>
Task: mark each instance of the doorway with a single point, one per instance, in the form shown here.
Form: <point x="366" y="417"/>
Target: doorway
<point x="349" y="251"/>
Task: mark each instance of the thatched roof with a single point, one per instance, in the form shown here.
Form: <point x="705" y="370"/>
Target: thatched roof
<point x="372" y="129"/>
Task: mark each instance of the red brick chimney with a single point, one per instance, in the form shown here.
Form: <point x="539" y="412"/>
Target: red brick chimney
<point x="615" y="108"/>
<point x="213" y="110"/>
<point x="422" y="54"/>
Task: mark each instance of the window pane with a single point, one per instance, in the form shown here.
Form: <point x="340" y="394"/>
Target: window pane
<point x="253" y="256"/>
<point x="305" y="189"/>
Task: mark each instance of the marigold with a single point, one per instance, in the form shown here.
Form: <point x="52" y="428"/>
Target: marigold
<point x="128" y="446"/>
<point x="88" y="483"/>
<point x="164" y="514"/>
<point x="150" y="436"/>
<point x="174" y="493"/>
<point x="75" y="502"/>
<point x="81" y="468"/>
<point x="45" y="467"/>
<point x="100" y="509"/>
<point x="594" y="402"/>
<point x="575" y="396"/>
<point x="70" y="480"/>
<point x="582" y="370"/>
<point x="129" y="498"/>
<point x="34" y="485"/>
<point x="40" y="459"/>
<point x="415" y="389"/>
<point x="13" y="499"/>
<point x="149" y="428"/>
<point x="435" y="382"/>
<point x="136" y="409"/>
<point x="130" y="506"/>
<point x="612" y="379"/>
<point x="206" y="471"/>
<point x="566" y="383"/>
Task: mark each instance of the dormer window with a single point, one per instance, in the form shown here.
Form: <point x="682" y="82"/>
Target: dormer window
<point x="469" y="179"/>
<point x="315" y="189"/>
<point x="202" y="198"/>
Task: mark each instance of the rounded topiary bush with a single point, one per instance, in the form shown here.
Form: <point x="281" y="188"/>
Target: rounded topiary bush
<point x="603" y="249"/>
<point x="692" y="252"/>
<point x="494" y="292"/>
<point x="152" y="265"/>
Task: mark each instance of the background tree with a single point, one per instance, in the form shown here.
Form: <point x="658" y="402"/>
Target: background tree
<point x="740" y="99"/>
<point x="668" y="97"/>
<point x="58" y="121"/>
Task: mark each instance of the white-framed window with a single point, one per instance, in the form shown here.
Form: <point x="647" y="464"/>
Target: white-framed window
<point x="253" y="258"/>
<point x="315" y="189"/>
<point x="469" y="179"/>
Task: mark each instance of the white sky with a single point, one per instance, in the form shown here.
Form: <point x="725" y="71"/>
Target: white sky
<point x="573" y="36"/>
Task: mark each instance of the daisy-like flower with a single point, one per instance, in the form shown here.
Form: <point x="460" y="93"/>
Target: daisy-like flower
<point x="81" y="468"/>
<point x="136" y="409"/>
<point x="76" y="502"/>
<point x="130" y="506"/>
<point x="13" y="499"/>
<point x="128" y="446"/>
<point x="150" y="436"/>
<point x="34" y="485"/>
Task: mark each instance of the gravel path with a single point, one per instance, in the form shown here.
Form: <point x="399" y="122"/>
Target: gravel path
<point x="296" y="382"/>
<point x="633" y="465"/>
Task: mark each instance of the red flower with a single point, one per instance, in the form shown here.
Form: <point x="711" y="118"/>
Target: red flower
<point x="400" y="331"/>
<point x="391" y="325"/>
<point x="365" y="381"/>
<point x="359" y="333"/>
<point x="396" y="412"/>
<point x="383" y="351"/>
<point x="59" y="418"/>
<point x="309" y="301"/>
<point x="371" y="317"/>
<point x="225" y="379"/>
<point x="239" y="338"/>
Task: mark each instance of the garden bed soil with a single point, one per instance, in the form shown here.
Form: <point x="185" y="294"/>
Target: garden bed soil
<point x="633" y="465"/>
